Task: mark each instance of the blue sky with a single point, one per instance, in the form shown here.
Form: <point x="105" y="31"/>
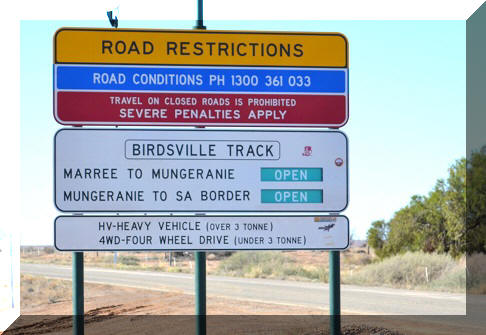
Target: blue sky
<point x="407" y="120"/>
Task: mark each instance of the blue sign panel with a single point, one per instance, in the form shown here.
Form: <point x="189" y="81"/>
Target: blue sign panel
<point x="201" y="79"/>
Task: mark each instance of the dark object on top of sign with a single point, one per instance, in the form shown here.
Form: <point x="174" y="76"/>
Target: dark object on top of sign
<point x="199" y="21"/>
<point x="113" y="21"/>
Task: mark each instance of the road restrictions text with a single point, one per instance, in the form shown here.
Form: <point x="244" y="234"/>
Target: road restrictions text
<point x="125" y="77"/>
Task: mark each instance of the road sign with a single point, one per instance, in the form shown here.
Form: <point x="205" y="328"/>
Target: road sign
<point x="99" y="170"/>
<point x="218" y="78"/>
<point x="177" y="233"/>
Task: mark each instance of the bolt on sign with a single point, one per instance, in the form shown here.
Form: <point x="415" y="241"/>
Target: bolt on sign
<point x="186" y="233"/>
<point x="206" y="78"/>
<point x="102" y="170"/>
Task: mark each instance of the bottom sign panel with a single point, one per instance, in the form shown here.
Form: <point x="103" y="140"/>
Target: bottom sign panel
<point x="179" y="233"/>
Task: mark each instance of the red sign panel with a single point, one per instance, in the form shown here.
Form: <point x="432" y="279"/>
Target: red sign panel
<point x="113" y="108"/>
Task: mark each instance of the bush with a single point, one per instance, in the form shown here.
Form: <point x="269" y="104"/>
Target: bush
<point x="410" y="270"/>
<point x="49" y="250"/>
<point x="128" y="260"/>
<point x="268" y="264"/>
<point x="453" y="280"/>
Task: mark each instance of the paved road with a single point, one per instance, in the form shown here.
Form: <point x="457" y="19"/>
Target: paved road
<point x="354" y="299"/>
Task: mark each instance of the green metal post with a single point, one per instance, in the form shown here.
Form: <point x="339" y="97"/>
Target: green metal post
<point x="200" y="278"/>
<point x="199" y="256"/>
<point x="78" y="294"/>
<point x="335" y="293"/>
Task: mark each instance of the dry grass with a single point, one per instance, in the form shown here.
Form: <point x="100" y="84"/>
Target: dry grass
<point x="295" y="265"/>
<point x="35" y="291"/>
<point x="270" y="264"/>
<point x="150" y="261"/>
<point x="415" y="270"/>
<point x="357" y="267"/>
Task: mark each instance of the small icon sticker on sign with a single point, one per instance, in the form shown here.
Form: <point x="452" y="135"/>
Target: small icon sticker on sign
<point x="327" y="228"/>
<point x="338" y="161"/>
<point x="307" y="151"/>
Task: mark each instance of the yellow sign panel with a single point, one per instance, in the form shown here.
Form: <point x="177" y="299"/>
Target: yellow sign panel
<point x="200" y="47"/>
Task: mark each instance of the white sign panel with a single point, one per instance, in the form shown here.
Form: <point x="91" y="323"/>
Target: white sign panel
<point x="101" y="170"/>
<point x="98" y="233"/>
